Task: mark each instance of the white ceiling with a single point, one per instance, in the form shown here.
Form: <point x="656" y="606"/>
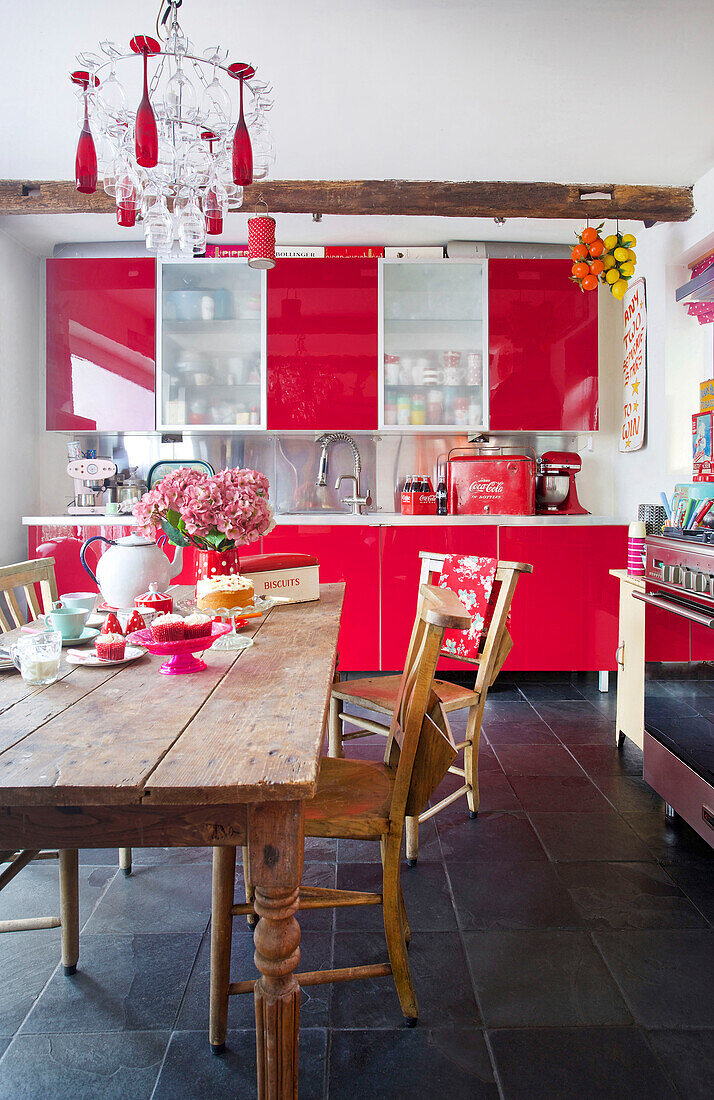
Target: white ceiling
<point x="567" y="90"/>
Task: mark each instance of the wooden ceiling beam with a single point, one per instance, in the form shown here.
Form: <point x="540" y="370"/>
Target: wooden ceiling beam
<point x="398" y="197"/>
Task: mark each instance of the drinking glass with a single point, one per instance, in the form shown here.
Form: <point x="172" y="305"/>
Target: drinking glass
<point x="37" y="656"/>
<point x="159" y="227"/>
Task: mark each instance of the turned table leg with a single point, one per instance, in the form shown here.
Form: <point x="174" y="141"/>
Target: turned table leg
<point x="276" y="843"/>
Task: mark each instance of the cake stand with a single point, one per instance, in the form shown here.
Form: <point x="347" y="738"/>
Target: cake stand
<point x="181" y="653"/>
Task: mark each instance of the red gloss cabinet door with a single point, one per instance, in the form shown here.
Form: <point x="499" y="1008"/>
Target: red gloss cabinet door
<point x="564" y="616"/>
<point x="322" y="345"/>
<point x="543" y="348"/>
<point x="401" y="566"/>
<point x="101" y="316"/>
<point x="349" y="554"/>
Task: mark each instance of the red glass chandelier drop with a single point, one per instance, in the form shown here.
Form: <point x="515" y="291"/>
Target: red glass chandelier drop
<point x="146" y="136"/>
<point x="85" y="162"/>
<point x="178" y="163"/>
<point x="242" y="148"/>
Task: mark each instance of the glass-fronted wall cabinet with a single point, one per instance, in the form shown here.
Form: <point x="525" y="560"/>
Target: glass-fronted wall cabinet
<point x="434" y="337"/>
<point x="211" y="345"/>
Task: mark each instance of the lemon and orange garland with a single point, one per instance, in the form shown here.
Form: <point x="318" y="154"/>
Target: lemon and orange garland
<point x="610" y="261"/>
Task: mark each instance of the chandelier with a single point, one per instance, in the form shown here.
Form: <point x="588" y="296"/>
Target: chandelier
<point x="180" y="160"/>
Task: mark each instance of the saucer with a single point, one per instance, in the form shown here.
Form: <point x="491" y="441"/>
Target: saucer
<point x="132" y="653"/>
<point x="87" y="635"/>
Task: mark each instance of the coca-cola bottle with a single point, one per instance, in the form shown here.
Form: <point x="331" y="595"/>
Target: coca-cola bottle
<point x="442" y="507"/>
<point x="409" y="484"/>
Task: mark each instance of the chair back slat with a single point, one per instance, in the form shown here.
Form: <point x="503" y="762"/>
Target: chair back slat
<point x="23" y="577"/>
<point x="418" y="713"/>
<point x="497" y="642"/>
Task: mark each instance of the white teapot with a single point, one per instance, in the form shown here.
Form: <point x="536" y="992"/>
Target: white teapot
<point x="129" y="566"/>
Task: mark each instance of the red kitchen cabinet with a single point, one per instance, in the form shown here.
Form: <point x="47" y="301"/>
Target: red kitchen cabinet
<point x="565" y="614"/>
<point x="349" y="554"/>
<point x="401" y="566"/>
<point x="101" y="316"/>
<point x="543" y="348"/>
<point x="322" y="345"/>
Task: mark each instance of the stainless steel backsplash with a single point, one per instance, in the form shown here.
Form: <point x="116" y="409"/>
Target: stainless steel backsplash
<point x="290" y="461"/>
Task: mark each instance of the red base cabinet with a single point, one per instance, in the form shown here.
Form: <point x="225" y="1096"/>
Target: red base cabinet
<point x="543" y="348"/>
<point x="101" y="345"/>
<point x="401" y="565"/>
<point x="322" y="345"/>
<point x="565" y="614"/>
<point x="349" y="554"/>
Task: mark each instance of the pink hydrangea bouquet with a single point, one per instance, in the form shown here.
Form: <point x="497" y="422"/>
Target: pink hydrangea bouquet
<point x="229" y="509"/>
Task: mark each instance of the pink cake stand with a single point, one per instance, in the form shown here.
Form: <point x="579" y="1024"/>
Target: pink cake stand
<point x="181" y="653"/>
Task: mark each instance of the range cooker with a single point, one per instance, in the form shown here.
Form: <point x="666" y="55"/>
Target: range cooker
<point x="678" y="743"/>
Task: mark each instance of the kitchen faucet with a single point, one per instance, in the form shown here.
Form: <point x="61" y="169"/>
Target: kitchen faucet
<point x="356" y="500"/>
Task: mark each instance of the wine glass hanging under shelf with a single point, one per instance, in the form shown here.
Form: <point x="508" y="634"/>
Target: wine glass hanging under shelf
<point x="179" y="161"/>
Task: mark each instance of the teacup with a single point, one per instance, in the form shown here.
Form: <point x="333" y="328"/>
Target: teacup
<point x="79" y="601"/>
<point x="38" y="656"/>
<point x="68" y="621"/>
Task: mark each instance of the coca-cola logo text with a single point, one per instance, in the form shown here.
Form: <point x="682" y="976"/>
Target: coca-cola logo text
<point x="486" y="487"/>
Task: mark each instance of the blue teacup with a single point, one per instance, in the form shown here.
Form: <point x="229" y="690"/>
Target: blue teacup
<point x="69" y="621"/>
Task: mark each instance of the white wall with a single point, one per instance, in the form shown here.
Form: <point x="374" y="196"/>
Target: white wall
<point x="679" y="356"/>
<point x="20" y="407"/>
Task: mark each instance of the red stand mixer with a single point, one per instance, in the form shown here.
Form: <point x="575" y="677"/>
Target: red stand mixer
<point x="555" y="484"/>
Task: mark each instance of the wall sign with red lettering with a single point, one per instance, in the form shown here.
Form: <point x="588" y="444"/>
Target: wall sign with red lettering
<point x="634" y="367"/>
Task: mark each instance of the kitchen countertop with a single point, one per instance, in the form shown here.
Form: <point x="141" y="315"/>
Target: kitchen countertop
<point x="346" y="519"/>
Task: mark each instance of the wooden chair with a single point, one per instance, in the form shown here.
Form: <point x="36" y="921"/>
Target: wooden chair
<point x="379" y="694"/>
<point x="16" y="579"/>
<point x="366" y="801"/>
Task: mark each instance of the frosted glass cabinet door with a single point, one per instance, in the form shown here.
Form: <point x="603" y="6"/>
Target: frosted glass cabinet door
<point x="434" y="338"/>
<point x="211" y="345"/>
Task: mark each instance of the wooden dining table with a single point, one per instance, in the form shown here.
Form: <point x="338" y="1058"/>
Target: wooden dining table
<point x="125" y="757"/>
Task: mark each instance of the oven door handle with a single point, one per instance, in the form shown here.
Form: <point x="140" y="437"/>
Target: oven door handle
<point x="676" y="608"/>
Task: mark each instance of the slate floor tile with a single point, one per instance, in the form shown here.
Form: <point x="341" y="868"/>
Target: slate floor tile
<point x="511" y="895"/>
<point x="587" y="1063"/>
<point x="697" y="882"/>
<point x="537" y="760"/>
<point x="315" y="954"/>
<point x="509" y="710"/>
<point x="670" y="843"/>
<point x="192" y="1071"/>
<point x="123" y="983"/>
<point x="666" y="976"/>
<point x="27" y="961"/>
<point x="155" y="898"/>
<point x="35" y="891"/>
<point x="577" y="723"/>
<point x="419" y="1062"/>
<point x="368" y="851"/>
<point x="688" y="1057"/>
<point x="519" y="733"/>
<point x="542" y="689"/>
<point x="628" y="793"/>
<point x="628" y="895"/>
<point x="542" y="979"/>
<point x="596" y="759"/>
<point x="441" y="983"/>
<point x="492" y="837"/>
<point x="564" y="793"/>
<point x="588" y="836"/>
<point x="113" y="1065"/>
<point x="426" y="896"/>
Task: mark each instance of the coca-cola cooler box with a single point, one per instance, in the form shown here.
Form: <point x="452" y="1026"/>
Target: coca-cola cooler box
<point x="293" y="576"/>
<point x="483" y="485"/>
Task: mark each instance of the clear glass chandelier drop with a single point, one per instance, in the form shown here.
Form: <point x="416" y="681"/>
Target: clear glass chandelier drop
<point x="199" y="134"/>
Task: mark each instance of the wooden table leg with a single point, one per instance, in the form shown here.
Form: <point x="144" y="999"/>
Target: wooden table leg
<point x="224" y="872"/>
<point x="276" y="848"/>
<point x="69" y="908"/>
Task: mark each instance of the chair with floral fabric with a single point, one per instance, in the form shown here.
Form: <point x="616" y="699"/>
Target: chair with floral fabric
<point x="485" y="587"/>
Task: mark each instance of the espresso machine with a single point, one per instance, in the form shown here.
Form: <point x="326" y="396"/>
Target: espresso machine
<point x="555" y="491"/>
<point x="88" y="475"/>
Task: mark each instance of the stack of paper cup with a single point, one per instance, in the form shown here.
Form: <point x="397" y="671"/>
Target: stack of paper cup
<point x="636" y="549"/>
